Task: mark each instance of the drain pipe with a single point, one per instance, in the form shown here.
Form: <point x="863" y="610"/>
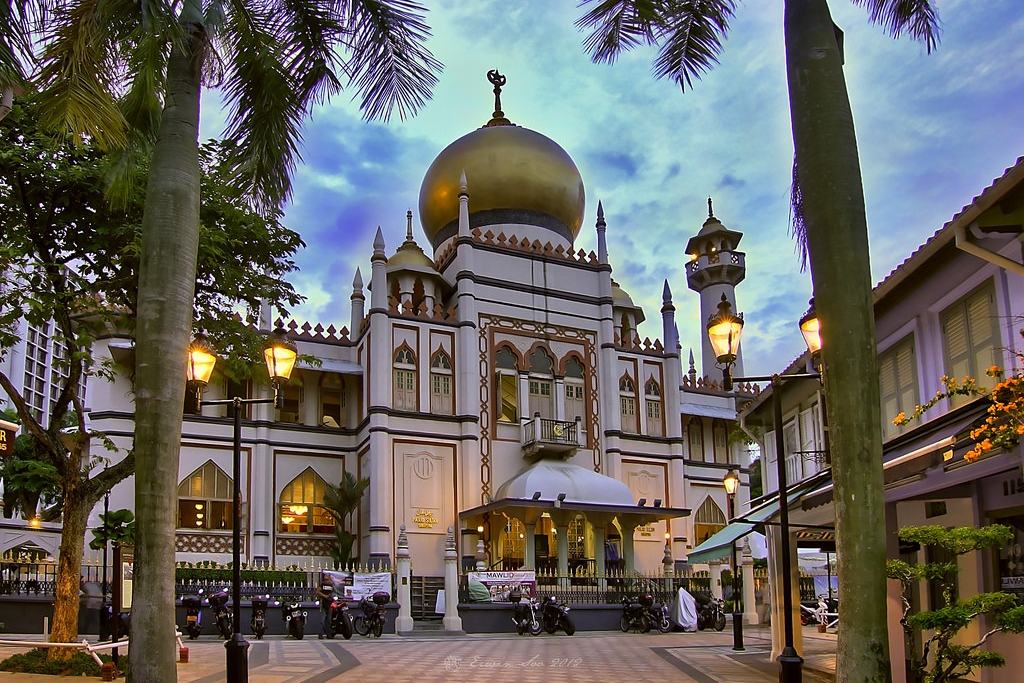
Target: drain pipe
<point x="964" y="243"/>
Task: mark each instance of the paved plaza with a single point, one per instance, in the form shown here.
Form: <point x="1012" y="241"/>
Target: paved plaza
<point x="587" y="656"/>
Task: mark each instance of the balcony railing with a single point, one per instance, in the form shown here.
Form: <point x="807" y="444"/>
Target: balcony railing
<point x="541" y="436"/>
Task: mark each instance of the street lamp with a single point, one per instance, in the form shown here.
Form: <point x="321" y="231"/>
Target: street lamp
<point x="732" y="483"/>
<point x="724" y="329"/>
<point x="279" y="354"/>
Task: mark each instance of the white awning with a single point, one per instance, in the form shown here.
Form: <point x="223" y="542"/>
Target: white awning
<point x="342" y="367"/>
<point x="719" y="412"/>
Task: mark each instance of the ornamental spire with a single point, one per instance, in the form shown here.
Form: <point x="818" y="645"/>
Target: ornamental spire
<point x="498" y="118"/>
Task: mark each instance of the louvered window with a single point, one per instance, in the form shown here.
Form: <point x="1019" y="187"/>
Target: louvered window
<point x="970" y="334"/>
<point x="897" y="384"/>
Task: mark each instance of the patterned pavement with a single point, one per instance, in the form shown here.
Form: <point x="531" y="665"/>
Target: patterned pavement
<point x="598" y="656"/>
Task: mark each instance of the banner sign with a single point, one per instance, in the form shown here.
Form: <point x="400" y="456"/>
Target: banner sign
<point x="358" y="585"/>
<point x="495" y="586"/>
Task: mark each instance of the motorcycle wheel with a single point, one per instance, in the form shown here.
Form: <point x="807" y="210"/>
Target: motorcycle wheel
<point x="720" y="622"/>
<point x="224" y="627"/>
<point x="566" y="623"/>
<point x="329" y="628"/>
<point x="550" y="626"/>
<point x="346" y="626"/>
<point x="297" y="629"/>
<point x="665" y="626"/>
<point x="258" y="628"/>
<point x="360" y="627"/>
<point x="193" y="633"/>
<point x="645" y="624"/>
<point x="535" y="628"/>
<point x="624" y="623"/>
<point x="520" y="627"/>
<point x="378" y="628"/>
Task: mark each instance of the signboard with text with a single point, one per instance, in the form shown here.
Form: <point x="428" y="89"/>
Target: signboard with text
<point x="495" y="586"/>
<point x="8" y="430"/>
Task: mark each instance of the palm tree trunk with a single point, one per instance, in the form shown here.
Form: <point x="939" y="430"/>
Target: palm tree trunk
<point x="833" y="200"/>
<point x="170" y="238"/>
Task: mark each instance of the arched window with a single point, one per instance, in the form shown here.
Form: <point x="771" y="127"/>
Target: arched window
<point x="695" y="436"/>
<point x="627" y="404"/>
<point x="418" y="297"/>
<point x="542" y="384"/>
<point x="506" y="385"/>
<point x="441" y="384"/>
<point x="291" y="400"/>
<point x="332" y="400"/>
<point x="627" y="331"/>
<point x="652" y="399"/>
<point x="513" y="543"/>
<point x="720" y="438"/>
<point x="301" y="505"/>
<point x="708" y="521"/>
<point x="205" y="499"/>
<point x="405" y="379"/>
<point x="575" y="405"/>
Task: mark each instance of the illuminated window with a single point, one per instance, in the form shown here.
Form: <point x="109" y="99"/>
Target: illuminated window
<point x="332" y="400"/>
<point x="506" y="385"/>
<point x="301" y="505"/>
<point x="205" y="499"/>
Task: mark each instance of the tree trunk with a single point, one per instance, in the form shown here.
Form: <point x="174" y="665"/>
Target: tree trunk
<point x="167" y="274"/>
<point x="828" y="169"/>
<point x="64" y="628"/>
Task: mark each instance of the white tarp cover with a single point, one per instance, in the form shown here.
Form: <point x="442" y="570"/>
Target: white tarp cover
<point x="683" y="611"/>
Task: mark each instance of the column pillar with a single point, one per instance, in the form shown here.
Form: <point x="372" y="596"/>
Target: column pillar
<point x="452" y="621"/>
<point x="404" y="622"/>
<point x="749" y="606"/>
<point x="716" y="579"/>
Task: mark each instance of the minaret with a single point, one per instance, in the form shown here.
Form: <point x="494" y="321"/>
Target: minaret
<point x="358" y="302"/>
<point x="715" y="268"/>
<point x="602" y="243"/>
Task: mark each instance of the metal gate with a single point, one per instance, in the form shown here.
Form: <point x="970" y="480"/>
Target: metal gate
<point x="424" y="596"/>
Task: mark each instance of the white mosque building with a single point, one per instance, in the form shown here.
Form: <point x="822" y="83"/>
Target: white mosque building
<point x="491" y="380"/>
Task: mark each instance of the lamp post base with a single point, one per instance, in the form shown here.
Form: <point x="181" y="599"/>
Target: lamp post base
<point x="737" y="631"/>
<point x="790" y="666"/>
<point x="237" y="659"/>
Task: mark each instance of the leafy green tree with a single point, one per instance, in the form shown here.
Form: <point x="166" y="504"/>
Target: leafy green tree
<point x="117" y="526"/>
<point x="71" y="262"/>
<point x="943" y="657"/>
<point x="131" y="75"/>
<point x="341" y="501"/>
<point x="831" y="222"/>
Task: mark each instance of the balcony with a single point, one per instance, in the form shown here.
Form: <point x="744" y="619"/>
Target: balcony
<point x="542" y="437"/>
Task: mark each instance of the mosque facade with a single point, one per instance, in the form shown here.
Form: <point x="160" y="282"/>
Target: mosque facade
<point x="491" y="380"/>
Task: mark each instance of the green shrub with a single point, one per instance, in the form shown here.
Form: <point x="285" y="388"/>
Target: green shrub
<point x="35" y="662"/>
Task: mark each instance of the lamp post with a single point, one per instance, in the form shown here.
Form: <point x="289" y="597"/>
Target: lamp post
<point x="279" y="354"/>
<point x="732" y="483"/>
<point x="724" y="330"/>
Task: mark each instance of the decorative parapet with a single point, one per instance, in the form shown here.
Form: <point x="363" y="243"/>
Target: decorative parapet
<point x="317" y="332"/>
<point x="713" y="386"/>
<point x="520" y="244"/>
<point x="645" y="346"/>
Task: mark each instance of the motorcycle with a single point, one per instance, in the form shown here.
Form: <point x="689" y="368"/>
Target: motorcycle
<point x="710" y="612"/>
<point x="554" y="615"/>
<point x="658" y="615"/>
<point x="339" y="620"/>
<point x="634" y="616"/>
<point x="524" y="614"/>
<point x="219" y="606"/>
<point x="294" y="619"/>
<point x="258" y="622"/>
<point x="193" y="614"/>
<point x="371" y="621"/>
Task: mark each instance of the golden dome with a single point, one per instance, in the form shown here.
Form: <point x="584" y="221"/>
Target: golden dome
<point x="410" y="256"/>
<point x="513" y="175"/>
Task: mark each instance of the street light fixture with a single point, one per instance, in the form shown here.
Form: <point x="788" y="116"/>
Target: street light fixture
<point x="732" y="484"/>
<point x="279" y="353"/>
<point x="724" y="329"/>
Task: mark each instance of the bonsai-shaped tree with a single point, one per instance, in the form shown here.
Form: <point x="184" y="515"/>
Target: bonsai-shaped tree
<point x="943" y="656"/>
<point x="340" y="502"/>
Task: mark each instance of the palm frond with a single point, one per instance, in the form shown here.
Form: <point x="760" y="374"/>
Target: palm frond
<point x="691" y="39"/>
<point x="919" y="18"/>
<point x="20" y="20"/>
<point x="798" y="219"/>
<point x="76" y="95"/>
<point x="618" y="26"/>
<point x="390" y="65"/>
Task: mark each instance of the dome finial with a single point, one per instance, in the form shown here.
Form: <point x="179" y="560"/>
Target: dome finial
<point x="711" y="213"/>
<point x="408" y="227"/>
<point x="497" y="80"/>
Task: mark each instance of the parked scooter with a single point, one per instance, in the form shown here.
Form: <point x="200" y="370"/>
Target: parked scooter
<point x="258" y="622"/>
<point x="524" y="614"/>
<point x="634" y="616"/>
<point x="554" y="615"/>
<point x="339" y="620"/>
<point x="710" y="612"/>
<point x="372" y="617"/>
<point x="221" y="614"/>
<point x="193" y="614"/>
<point x="294" y="618"/>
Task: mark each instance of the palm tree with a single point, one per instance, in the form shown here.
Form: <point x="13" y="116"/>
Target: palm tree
<point x="827" y="180"/>
<point x="340" y="502"/>
<point x="130" y="75"/>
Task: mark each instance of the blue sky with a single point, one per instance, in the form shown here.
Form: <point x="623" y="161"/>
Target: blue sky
<point x="933" y="131"/>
